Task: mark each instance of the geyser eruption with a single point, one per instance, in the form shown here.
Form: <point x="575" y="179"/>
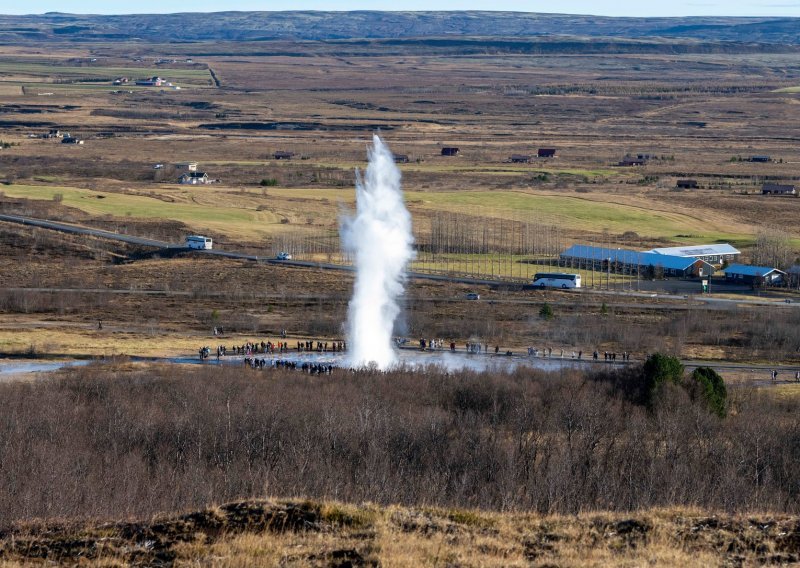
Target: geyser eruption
<point x="379" y="236"/>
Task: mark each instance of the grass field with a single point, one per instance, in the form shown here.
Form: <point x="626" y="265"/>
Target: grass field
<point x="24" y="68"/>
<point x="568" y="211"/>
<point x="507" y="266"/>
<point x="117" y="338"/>
<point x="228" y="220"/>
<point x="212" y="209"/>
<point x="483" y="168"/>
<point x="86" y="88"/>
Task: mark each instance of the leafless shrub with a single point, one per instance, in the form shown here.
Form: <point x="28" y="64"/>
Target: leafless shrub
<point x="109" y="442"/>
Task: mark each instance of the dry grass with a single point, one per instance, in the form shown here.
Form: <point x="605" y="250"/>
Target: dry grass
<point x="303" y="533"/>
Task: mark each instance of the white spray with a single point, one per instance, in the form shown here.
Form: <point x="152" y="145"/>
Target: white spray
<point x="379" y="235"/>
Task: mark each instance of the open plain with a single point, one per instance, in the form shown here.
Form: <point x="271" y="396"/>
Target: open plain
<point x="280" y="127"/>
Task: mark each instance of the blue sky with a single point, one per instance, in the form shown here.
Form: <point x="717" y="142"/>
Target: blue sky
<point x="600" y="7"/>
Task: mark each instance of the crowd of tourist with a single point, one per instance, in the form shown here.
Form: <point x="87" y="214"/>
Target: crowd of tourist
<point x="251" y="349"/>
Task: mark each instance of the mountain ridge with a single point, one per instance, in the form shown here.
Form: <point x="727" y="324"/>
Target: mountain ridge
<point x="320" y="25"/>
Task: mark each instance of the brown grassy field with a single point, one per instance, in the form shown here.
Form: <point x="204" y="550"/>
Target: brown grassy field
<point x="174" y="446"/>
<point x="311" y="533"/>
<point x="120" y="463"/>
<point x="593" y="109"/>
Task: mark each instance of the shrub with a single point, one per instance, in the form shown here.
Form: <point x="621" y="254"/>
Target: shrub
<point x="546" y="312"/>
<point x="269" y="182"/>
<point x="659" y="369"/>
<point x="705" y="383"/>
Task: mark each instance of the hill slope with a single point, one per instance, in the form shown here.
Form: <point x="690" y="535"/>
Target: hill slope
<point x="302" y="533"/>
<point x="307" y="25"/>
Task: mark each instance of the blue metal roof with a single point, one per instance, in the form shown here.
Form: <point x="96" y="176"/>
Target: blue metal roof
<point x="748" y="270"/>
<point x="627" y="256"/>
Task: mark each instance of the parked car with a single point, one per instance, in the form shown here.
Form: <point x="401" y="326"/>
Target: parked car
<point x="473" y="296"/>
<point x="284" y="256"/>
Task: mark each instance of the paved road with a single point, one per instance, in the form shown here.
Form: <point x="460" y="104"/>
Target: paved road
<point x="79" y="230"/>
<point x="76" y="229"/>
<point x="720" y="303"/>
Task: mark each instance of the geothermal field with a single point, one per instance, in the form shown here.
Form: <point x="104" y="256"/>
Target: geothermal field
<point x="463" y="288"/>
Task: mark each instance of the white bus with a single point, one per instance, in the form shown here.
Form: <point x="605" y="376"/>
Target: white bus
<point x="198" y="242"/>
<point x="556" y="280"/>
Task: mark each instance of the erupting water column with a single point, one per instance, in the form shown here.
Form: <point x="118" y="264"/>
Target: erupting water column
<point x="379" y="236"/>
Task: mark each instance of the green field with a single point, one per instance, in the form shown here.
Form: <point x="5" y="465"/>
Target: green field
<point x="568" y="211"/>
<point x="229" y="220"/>
<point x="101" y="73"/>
<point x="226" y="211"/>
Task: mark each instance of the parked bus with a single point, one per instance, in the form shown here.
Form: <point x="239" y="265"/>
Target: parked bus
<point x="198" y="242"/>
<point x="556" y="280"/>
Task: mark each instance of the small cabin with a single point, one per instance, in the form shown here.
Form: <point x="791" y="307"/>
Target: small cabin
<point x="450" y="151"/>
<point x="686" y="184"/>
<point x="152" y="82"/>
<point x="520" y="159"/>
<point x="546" y="153"/>
<point x="283" y="155"/>
<point x="778" y="189"/>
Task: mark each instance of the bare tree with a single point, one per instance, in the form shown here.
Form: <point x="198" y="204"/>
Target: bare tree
<point x="773" y="248"/>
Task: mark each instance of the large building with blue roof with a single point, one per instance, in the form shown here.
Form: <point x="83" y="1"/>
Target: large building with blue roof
<point x="625" y="261"/>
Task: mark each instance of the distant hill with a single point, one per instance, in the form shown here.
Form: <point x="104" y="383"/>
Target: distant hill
<point x="309" y="25"/>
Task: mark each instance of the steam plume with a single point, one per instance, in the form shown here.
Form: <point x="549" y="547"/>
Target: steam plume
<point x="380" y="237"/>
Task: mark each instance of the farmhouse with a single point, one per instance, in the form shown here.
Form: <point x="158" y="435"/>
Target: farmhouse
<point x="450" y="151"/>
<point x="714" y="254"/>
<point x="520" y="159"/>
<point x="152" y="82"/>
<point x="686" y="184"/>
<point x="283" y="155"/>
<point x="546" y="153"/>
<point x="71" y="140"/>
<point x="760" y="159"/>
<point x="400" y="158"/>
<point x="194" y="178"/>
<point x="186" y="166"/>
<point x="747" y="274"/>
<point x="623" y="261"/>
<point x="778" y="189"/>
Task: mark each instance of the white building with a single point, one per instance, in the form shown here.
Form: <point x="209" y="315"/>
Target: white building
<point x="713" y="254"/>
